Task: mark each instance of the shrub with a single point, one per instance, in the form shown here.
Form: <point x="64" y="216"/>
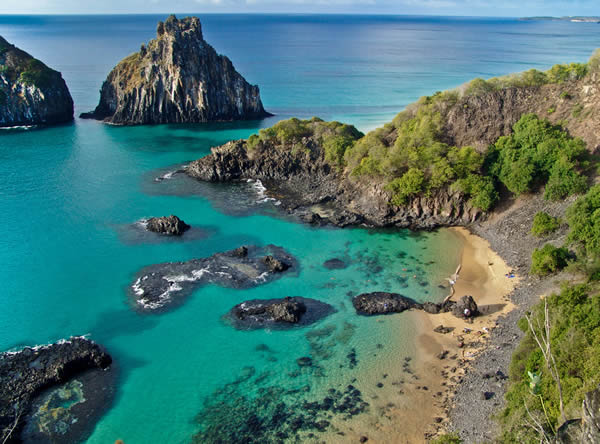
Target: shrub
<point x="449" y="438"/>
<point x="538" y="152"/>
<point x="577" y="109"/>
<point x="583" y="218"/>
<point x="410" y="184"/>
<point x="481" y="189"/>
<point x="548" y="259"/>
<point x="544" y="224"/>
<point x="574" y="316"/>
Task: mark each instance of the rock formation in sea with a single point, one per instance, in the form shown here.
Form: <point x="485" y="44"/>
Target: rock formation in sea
<point x="176" y="78"/>
<point x="278" y="313"/>
<point x="170" y="225"/>
<point x="30" y="92"/>
<point x="25" y="374"/>
<point x="161" y="286"/>
<point x="381" y="302"/>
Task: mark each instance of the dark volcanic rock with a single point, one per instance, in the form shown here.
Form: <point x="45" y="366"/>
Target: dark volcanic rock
<point x="335" y="264"/>
<point x="587" y="429"/>
<point x="382" y="303"/>
<point x="176" y="78"/>
<point x="278" y="313"/>
<point x="170" y="225"/>
<point x="25" y="374"/>
<point x="308" y="186"/>
<point x="30" y="92"/>
<point x="163" y="285"/>
<point x="465" y="303"/>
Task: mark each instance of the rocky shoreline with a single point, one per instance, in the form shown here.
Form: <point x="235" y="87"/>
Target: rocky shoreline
<point x="28" y="375"/>
<point x="508" y="233"/>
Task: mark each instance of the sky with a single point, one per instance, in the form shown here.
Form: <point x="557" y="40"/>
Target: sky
<point x="509" y="8"/>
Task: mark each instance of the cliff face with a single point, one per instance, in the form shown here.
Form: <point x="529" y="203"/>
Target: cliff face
<point x="176" y="78"/>
<point x="30" y="92"/>
<point x="309" y="186"/>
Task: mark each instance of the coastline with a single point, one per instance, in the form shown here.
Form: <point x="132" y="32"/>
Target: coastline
<point x="417" y="394"/>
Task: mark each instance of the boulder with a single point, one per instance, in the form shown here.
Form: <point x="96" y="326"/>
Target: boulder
<point x="335" y="264"/>
<point x="465" y="303"/>
<point x="278" y="313"/>
<point x="169" y="225"/>
<point x="382" y="303"/>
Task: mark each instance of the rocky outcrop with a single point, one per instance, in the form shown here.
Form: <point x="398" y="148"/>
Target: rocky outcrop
<point x="162" y="286"/>
<point x="380" y="302"/>
<point x="308" y="185"/>
<point x="278" y="313"/>
<point x="30" y="92"/>
<point x="585" y="430"/>
<point x="169" y="225"/>
<point x="176" y="78"/>
<point x="24" y="374"/>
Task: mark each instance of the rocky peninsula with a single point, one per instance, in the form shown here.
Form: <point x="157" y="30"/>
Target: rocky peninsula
<point x="176" y="78"/>
<point x="162" y="286"/>
<point x="31" y="93"/>
<point x="27" y="373"/>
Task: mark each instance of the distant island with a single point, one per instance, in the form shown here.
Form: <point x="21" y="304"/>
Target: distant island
<point x="574" y="19"/>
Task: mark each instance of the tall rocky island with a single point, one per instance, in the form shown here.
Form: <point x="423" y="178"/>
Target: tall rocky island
<point x="176" y="78"/>
<point x="30" y="92"/>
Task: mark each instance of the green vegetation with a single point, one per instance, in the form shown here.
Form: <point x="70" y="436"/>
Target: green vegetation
<point x="449" y="438"/>
<point x="35" y="73"/>
<point x="584" y="222"/>
<point x="536" y="153"/>
<point x="558" y="360"/>
<point x="577" y="109"/>
<point x="410" y="156"/>
<point x="544" y="224"/>
<point x="548" y="259"/>
<point x="532" y="78"/>
<point x="334" y="137"/>
<point x="574" y="316"/>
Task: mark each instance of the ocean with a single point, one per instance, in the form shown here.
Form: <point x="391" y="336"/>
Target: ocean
<point x="70" y="197"/>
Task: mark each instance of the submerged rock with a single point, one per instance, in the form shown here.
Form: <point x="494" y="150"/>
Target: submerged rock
<point x="161" y="286"/>
<point x="281" y="313"/>
<point x="335" y="264"/>
<point x="170" y="225"/>
<point x="26" y="373"/>
<point x="382" y="303"/>
<point x="176" y="78"/>
<point x="30" y="92"/>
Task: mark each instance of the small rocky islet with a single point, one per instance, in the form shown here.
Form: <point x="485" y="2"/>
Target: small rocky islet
<point x="167" y="225"/>
<point x="278" y="313"/>
<point x="176" y="78"/>
<point x="162" y="286"/>
<point x="31" y="93"/>
<point x="55" y="392"/>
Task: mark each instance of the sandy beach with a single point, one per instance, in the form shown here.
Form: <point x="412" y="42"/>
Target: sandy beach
<point x="412" y="406"/>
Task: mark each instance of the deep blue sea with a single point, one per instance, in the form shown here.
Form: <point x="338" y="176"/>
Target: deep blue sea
<point x="70" y="197"/>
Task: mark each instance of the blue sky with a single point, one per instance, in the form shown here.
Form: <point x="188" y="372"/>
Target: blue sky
<point x="511" y="8"/>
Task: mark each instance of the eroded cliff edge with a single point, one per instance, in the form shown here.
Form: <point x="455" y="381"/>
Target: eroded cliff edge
<point x="30" y="92"/>
<point x="429" y="167"/>
<point x="176" y="78"/>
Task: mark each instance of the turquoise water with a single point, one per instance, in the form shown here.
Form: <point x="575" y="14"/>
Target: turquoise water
<point x="69" y="196"/>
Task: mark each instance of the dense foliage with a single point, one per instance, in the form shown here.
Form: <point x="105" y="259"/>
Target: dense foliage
<point x="548" y="259"/>
<point x="584" y="222"/>
<point x="538" y="153"/>
<point x="409" y="155"/>
<point x="334" y="137"/>
<point x="544" y="224"/>
<point x="575" y="344"/>
<point x="37" y="74"/>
